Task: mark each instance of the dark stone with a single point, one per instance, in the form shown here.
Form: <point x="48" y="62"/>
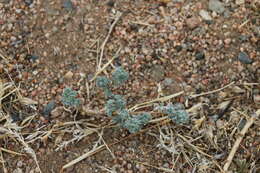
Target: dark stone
<point x="209" y="22"/>
<point x="67" y="4"/>
<point x="32" y="57"/>
<point x="48" y="108"/>
<point x="111" y="3"/>
<point x="244" y="58"/>
<point x="28" y="2"/>
<point x="243" y="38"/>
<point x="118" y="62"/>
<point x="134" y="27"/>
<point x="178" y="48"/>
<point x="15" y="116"/>
<point x="4" y="1"/>
<point x="199" y="55"/>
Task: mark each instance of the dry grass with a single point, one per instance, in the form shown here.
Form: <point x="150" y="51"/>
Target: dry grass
<point x="182" y="144"/>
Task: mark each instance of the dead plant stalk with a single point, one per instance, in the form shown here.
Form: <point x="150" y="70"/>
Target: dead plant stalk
<point x="239" y="139"/>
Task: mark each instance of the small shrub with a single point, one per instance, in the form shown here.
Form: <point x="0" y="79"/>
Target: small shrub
<point x="135" y="123"/>
<point x="69" y="97"/>
<point x="116" y="104"/>
<point x="119" y="76"/>
<point x="175" y="112"/>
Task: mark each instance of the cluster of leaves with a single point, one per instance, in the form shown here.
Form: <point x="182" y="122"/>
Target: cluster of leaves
<point x="175" y="112"/>
<point x="116" y="104"/>
<point x="69" y="97"/>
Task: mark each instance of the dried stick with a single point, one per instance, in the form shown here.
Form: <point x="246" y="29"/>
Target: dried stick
<point x="119" y="14"/>
<point x="3" y="162"/>
<point x="239" y="139"/>
<point x="82" y="157"/>
<point x="161" y="99"/>
<point x="211" y="92"/>
<point x="107" y="64"/>
<point x="193" y="146"/>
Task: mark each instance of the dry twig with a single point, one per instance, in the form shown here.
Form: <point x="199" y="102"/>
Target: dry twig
<point x="239" y="139"/>
<point x="3" y="162"/>
<point x="107" y="64"/>
<point x="119" y="14"/>
<point x="211" y="92"/>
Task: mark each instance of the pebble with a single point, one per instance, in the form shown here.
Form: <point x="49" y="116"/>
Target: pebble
<point x="48" y="108"/>
<point x="216" y="6"/>
<point x="129" y="166"/>
<point x="227" y="41"/>
<point x="28" y="2"/>
<point x="57" y="112"/>
<point x="199" y="55"/>
<point x="257" y="99"/>
<point x="240" y="2"/>
<point x="18" y="170"/>
<point x="68" y="75"/>
<point x="157" y="72"/>
<point x="243" y="38"/>
<point x="68" y="5"/>
<point x="4" y="1"/>
<point x="167" y="81"/>
<point x="192" y="22"/>
<point x="244" y="58"/>
<point x="19" y="164"/>
<point x="205" y="15"/>
<point x="178" y="48"/>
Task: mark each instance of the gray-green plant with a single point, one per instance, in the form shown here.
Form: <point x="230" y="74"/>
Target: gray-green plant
<point x="176" y="112"/>
<point x="116" y="104"/>
<point x="69" y="97"/>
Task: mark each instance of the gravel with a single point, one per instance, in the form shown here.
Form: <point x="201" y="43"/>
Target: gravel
<point x="186" y="45"/>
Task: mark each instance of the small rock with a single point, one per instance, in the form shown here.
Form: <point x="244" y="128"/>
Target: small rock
<point x="257" y="99"/>
<point x="227" y="41"/>
<point x="241" y="124"/>
<point x="244" y="58"/>
<point x="243" y="38"/>
<point x="234" y="117"/>
<point x="110" y="3"/>
<point x="167" y="82"/>
<point x="145" y="50"/>
<point x="68" y="75"/>
<point x="48" y="108"/>
<point x="19" y="164"/>
<point x="57" y="112"/>
<point x="238" y="90"/>
<point x="129" y="166"/>
<point x="28" y="2"/>
<point x="199" y="55"/>
<point x="220" y="124"/>
<point x="178" y="48"/>
<point x="240" y="2"/>
<point x="18" y="170"/>
<point x="157" y="72"/>
<point x="4" y="1"/>
<point x="32" y="57"/>
<point x="205" y="15"/>
<point x="68" y="5"/>
<point x="192" y="22"/>
<point x="217" y="6"/>
<point x="52" y="12"/>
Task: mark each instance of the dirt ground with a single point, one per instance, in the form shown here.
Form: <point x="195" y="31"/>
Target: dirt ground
<point x="206" y="50"/>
